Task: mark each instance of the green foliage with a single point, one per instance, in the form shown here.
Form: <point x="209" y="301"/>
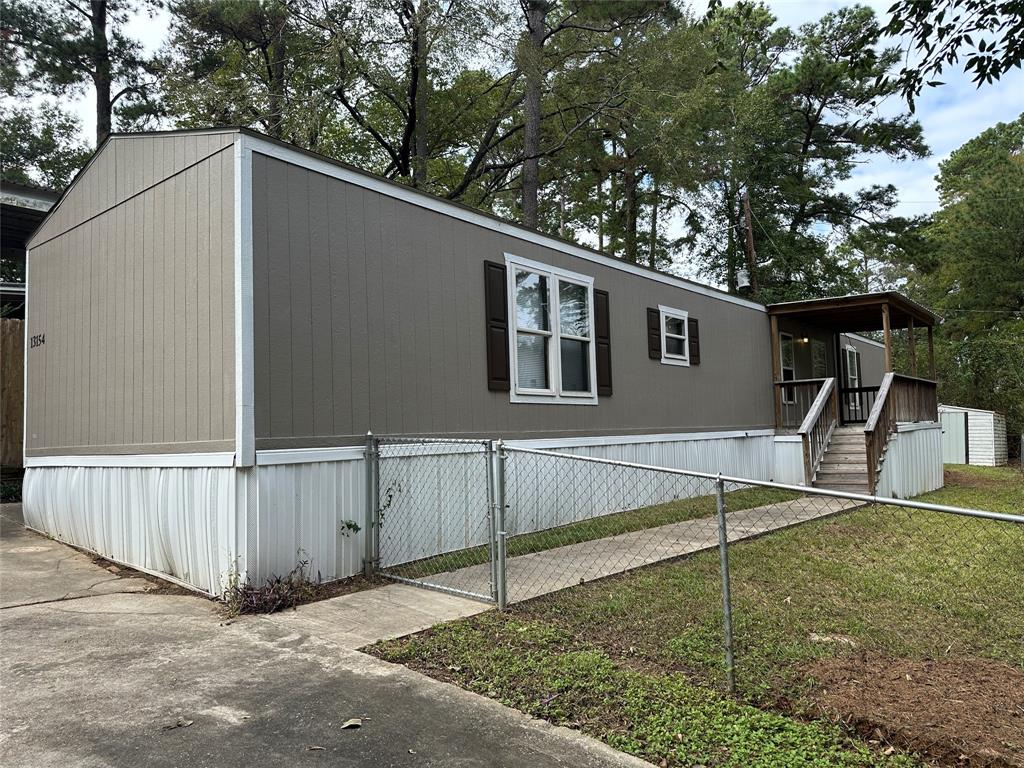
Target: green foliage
<point x="988" y="35"/>
<point x="41" y="147"/>
<point x="54" y="47"/>
<point x="972" y="272"/>
<point x="802" y="107"/>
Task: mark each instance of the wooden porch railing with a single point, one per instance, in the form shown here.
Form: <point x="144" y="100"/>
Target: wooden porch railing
<point x="817" y="426"/>
<point x="793" y="401"/>
<point x="900" y="399"/>
<point x="855" y="403"/>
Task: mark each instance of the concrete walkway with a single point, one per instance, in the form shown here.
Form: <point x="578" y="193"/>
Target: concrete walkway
<point x="548" y="571"/>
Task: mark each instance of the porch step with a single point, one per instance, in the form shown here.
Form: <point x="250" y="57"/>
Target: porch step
<point x="837" y="468"/>
<point x="848" y="438"/>
<point x="848" y="487"/>
<point x="844" y="467"/>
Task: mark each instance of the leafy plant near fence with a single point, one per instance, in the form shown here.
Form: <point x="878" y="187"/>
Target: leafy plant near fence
<point x="277" y="593"/>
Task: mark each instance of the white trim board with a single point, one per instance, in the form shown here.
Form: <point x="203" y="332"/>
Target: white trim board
<point x="245" y="408"/>
<point x="409" y="195"/>
<point x="914" y="426"/>
<point x="220" y="459"/>
<point x="677" y="437"/>
<point x="864" y="339"/>
<point x="356" y="452"/>
<point x="309" y="455"/>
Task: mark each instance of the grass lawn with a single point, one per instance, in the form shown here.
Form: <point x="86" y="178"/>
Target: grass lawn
<point x="636" y="659"/>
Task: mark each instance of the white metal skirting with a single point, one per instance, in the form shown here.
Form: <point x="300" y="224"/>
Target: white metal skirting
<point x="789" y="460"/>
<point x="173" y="520"/>
<point x="913" y="461"/>
<point x="201" y="524"/>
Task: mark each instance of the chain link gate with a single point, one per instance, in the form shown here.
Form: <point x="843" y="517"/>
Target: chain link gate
<point x="434" y="514"/>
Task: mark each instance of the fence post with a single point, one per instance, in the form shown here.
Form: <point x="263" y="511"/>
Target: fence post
<point x="723" y="557"/>
<point x="491" y="455"/>
<point x="499" y="525"/>
<point x="371" y="554"/>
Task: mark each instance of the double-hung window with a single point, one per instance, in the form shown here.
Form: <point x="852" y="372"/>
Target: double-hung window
<point x="675" y="337"/>
<point x="553" y="351"/>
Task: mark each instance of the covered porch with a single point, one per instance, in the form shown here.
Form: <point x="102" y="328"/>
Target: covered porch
<point x="826" y="376"/>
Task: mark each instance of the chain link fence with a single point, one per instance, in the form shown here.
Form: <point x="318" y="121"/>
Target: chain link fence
<point x="431" y="513"/>
<point x="797" y="575"/>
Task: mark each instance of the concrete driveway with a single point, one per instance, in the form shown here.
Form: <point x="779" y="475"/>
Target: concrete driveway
<point x="98" y="670"/>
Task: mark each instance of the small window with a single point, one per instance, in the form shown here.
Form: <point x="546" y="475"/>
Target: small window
<point x="553" y="355"/>
<point x="675" y="340"/>
<point x="788" y="356"/>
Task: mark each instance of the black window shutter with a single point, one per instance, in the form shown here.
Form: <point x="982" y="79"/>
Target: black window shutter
<point x="653" y="333"/>
<point x="496" y="306"/>
<point x="603" y="337"/>
<point x="693" y="334"/>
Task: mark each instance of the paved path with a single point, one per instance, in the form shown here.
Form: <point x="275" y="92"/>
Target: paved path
<point x="553" y="569"/>
<point x="134" y="678"/>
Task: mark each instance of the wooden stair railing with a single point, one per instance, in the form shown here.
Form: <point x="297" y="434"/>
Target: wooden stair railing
<point x="794" y="400"/>
<point x="816" y="429"/>
<point x="900" y="399"/>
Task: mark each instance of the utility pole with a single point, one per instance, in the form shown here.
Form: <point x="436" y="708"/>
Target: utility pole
<point x="751" y="255"/>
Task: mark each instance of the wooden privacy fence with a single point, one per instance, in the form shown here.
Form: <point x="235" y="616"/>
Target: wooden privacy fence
<point x="12" y="390"/>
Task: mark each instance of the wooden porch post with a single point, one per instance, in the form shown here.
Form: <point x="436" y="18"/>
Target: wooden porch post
<point x="776" y="370"/>
<point x="913" y="348"/>
<point x="887" y="333"/>
<point x="931" y="355"/>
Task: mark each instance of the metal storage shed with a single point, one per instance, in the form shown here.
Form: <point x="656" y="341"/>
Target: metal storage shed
<point x="973" y="436"/>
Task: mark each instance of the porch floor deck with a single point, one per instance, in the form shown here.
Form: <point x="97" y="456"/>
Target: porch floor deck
<point x="540" y="573"/>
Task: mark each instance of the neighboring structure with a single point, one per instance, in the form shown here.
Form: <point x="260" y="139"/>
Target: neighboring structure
<point x="973" y="436"/>
<point x="22" y="209"/>
<point x="226" y="316"/>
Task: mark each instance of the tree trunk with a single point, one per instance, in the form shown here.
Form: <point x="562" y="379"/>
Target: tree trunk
<point x="278" y="55"/>
<point x="629" y="192"/>
<point x="600" y="214"/>
<point x="420" y="45"/>
<point x="652" y="257"/>
<point x="536" y="12"/>
<point x="730" y="248"/>
<point x="101" y="73"/>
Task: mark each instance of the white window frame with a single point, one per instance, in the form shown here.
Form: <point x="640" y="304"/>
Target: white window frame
<point x="852" y="374"/>
<point x="791" y="400"/>
<point x="667" y="358"/>
<point x="554" y="393"/>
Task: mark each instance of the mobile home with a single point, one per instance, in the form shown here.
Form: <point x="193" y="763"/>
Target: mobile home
<point x="216" y="319"/>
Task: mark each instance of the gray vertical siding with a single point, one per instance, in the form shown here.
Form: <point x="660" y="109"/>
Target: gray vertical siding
<point x="369" y="314"/>
<point x="872" y="360"/>
<point x="132" y="283"/>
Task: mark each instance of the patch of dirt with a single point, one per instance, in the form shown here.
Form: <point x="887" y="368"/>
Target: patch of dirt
<point x="960" y="479"/>
<point x="157" y="586"/>
<point x="953" y="712"/>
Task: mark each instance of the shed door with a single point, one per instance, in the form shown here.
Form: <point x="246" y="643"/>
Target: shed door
<point x="954" y="437"/>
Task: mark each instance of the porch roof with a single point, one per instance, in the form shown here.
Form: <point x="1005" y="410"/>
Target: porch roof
<point x="859" y="312"/>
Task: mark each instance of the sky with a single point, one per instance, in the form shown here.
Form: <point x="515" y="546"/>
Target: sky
<point x="950" y="115"/>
